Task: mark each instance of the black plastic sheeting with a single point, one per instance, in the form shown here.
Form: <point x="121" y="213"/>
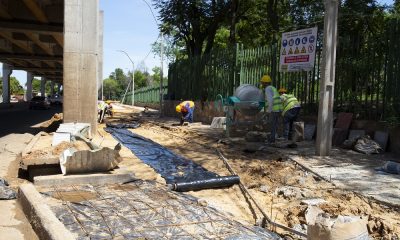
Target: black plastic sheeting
<point x="219" y="182"/>
<point x="173" y="168"/>
<point x="123" y="125"/>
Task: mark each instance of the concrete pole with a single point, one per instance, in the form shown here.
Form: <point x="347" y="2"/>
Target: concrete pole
<point x="29" y="80"/>
<point x="80" y="75"/>
<point x="52" y="88"/>
<point x="43" y="87"/>
<point x="325" y="112"/>
<point x="100" y="53"/>
<point x="161" y="73"/>
<point x="7" y="71"/>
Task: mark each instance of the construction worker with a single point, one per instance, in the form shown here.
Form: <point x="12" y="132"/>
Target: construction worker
<point x="273" y="105"/>
<point x="291" y="110"/>
<point x="101" y="110"/>
<point x="109" y="108"/>
<point x="186" y="108"/>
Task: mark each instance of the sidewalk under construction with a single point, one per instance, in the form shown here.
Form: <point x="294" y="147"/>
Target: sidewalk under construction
<point x="136" y="201"/>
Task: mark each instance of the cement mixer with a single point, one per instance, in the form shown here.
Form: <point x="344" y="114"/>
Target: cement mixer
<point x="247" y="99"/>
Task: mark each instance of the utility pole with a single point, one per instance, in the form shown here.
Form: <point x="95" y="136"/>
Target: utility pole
<point x="161" y="73"/>
<point x="325" y="111"/>
<point x="133" y="79"/>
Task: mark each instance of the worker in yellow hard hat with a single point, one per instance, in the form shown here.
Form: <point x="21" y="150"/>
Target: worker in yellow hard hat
<point x="290" y="112"/>
<point x="186" y="109"/>
<point x="273" y="105"/>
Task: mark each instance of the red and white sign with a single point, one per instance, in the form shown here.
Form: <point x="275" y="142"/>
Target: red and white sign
<point x="298" y="50"/>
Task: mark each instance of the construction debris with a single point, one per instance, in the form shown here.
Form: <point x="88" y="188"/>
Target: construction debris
<point x="88" y="161"/>
<point x="342" y="227"/>
<point x="6" y="193"/>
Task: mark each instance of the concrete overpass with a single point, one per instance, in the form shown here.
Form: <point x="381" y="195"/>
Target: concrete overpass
<point x="60" y="41"/>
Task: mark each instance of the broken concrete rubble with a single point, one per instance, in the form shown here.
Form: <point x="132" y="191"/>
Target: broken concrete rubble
<point x="73" y="161"/>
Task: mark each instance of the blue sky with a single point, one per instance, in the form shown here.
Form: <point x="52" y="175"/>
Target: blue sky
<point x="129" y="26"/>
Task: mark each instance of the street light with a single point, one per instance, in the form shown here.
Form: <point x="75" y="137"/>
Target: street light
<point x="133" y="79"/>
<point x="162" y="57"/>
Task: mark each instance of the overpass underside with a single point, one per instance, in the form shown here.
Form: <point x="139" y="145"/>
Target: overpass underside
<point x="59" y="41"/>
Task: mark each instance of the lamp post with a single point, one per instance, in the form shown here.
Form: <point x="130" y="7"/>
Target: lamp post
<point x="133" y="77"/>
<point x="161" y="56"/>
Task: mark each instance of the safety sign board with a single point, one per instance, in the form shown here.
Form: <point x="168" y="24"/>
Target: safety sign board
<point x="298" y="50"/>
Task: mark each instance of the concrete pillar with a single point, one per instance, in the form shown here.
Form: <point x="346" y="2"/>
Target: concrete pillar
<point x="43" y="87"/>
<point x="325" y="111"/>
<point x="7" y="71"/>
<point x="29" y="80"/>
<point x="100" y="55"/>
<point x="52" y="88"/>
<point x="80" y="61"/>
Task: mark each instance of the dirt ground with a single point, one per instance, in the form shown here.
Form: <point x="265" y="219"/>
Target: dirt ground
<point x="264" y="173"/>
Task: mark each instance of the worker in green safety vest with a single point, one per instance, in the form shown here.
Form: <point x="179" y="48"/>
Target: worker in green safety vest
<point x="273" y="105"/>
<point x="291" y="110"/>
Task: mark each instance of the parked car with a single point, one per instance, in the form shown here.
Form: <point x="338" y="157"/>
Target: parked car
<point x="39" y="102"/>
<point x="56" y="100"/>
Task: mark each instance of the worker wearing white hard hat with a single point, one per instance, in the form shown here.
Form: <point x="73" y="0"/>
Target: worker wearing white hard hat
<point x="273" y="105"/>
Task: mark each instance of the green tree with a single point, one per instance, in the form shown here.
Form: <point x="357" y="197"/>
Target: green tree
<point x="15" y="86"/>
<point x="36" y="85"/>
<point x="111" y="89"/>
<point x="193" y="22"/>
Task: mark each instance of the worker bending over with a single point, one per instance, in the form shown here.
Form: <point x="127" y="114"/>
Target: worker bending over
<point x="186" y="108"/>
<point x="273" y="104"/>
<point x="291" y="110"/>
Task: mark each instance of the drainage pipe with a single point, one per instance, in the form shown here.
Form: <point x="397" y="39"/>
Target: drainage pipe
<point x="219" y="182"/>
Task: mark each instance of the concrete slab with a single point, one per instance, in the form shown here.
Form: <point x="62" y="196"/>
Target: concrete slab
<point x="93" y="179"/>
<point x="218" y="122"/>
<point x="42" y="219"/>
<point x="382" y="139"/>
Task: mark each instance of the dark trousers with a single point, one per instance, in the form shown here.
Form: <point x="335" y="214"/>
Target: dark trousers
<point x="288" y="119"/>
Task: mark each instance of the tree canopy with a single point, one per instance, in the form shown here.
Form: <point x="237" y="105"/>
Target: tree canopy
<point x="196" y="27"/>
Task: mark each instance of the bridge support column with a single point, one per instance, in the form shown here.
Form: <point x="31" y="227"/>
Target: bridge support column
<point x="29" y="79"/>
<point x="81" y="61"/>
<point x="7" y="71"/>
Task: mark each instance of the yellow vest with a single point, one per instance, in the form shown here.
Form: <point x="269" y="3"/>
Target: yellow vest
<point x="288" y="102"/>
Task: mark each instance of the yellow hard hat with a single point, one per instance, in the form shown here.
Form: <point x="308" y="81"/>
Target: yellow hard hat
<point x="282" y="90"/>
<point x="108" y="101"/>
<point x="178" y="108"/>
<point x="266" y="79"/>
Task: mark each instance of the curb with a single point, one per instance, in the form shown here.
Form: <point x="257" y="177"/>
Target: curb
<point x="43" y="221"/>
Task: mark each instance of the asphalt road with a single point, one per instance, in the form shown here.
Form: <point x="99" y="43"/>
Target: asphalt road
<point x="17" y="118"/>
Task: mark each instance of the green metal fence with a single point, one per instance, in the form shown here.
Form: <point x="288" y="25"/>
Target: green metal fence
<point x="367" y="75"/>
<point x="146" y="95"/>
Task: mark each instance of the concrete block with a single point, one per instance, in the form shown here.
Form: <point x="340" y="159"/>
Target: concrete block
<point x="309" y="131"/>
<point x="382" y="139"/>
<point x="344" y="120"/>
<point x="43" y="221"/>
<point x="339" y="136"/>
<point x="218" y="122"/>
<point x="354" y="134"/>
<point x="93" y="179"/>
